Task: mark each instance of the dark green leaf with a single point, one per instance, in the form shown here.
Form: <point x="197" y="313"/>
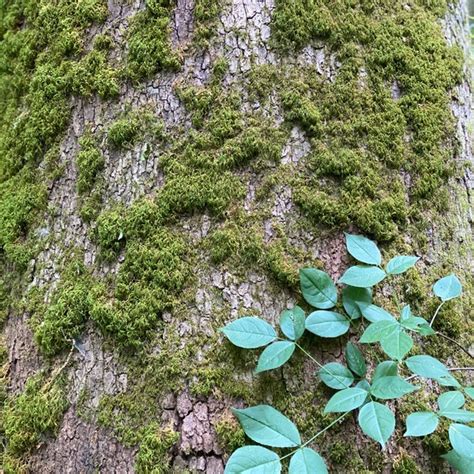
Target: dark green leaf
<point x="275" y="355"/>
<point x="362" y="276"/>
<point x="377" y="421"/>
<point x="268" y="426"/>
<point x="355" y="360"/>
<point x="253" y="460"/>
<point x="387" y="368"/>
<point x="318" y="289"/>
<point x="292" y="323"/>
<point x="389" y="387"/>
<point x="249" y="332"/>
<point x="327" y="324"/>
<point x="363" y="249"/>
<point x="421" y="423"/>
<point x="355" y="298"/>
<point x="336" y="376"/>
<point x="346" y="400"/>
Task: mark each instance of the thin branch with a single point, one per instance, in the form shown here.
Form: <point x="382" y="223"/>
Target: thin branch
<point x="455" y="342"/>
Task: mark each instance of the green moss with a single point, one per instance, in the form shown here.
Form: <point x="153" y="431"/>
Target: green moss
<point x="153" y="455"/>
<point x="132" y="125"/>
<point x="149" y="43"/>
<point x="90" y="162"/>
<point x="36" y="413"/>
<point x="358" y="130"/>
<point x="206" y="16"/>
<point x="230" y="435"/>
<point x="21" y="200"/>
<point x="55" y="325"/>
<point x="150" y="280"/>
<point x="405" y="464"/>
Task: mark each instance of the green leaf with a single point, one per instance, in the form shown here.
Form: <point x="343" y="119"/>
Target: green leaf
<point x="253" y="460"/>
<point x="353" y="299"/>
<point x="421" y="423"/>
<point x="389" y="387"/>
<point x="448" y="288"/>
<point x="363" y="249"/>
<point x="336" y="376"/>
<point x="377" y="331"/>
<point x="275" y="355"/>
<point x="405" y="313"/>
<point x="450" y="400"/>
<point x="412" y="322"/>
<point x="265" y="425"/>
<point x="318" y="289"/>
<point x="461" y="464"/>
<point x="448" y="381"/>
<point x="363" y="384"/>
<point x="425" y="330"/>
<point x="374" y="314"/>
<point x="307" y="461"/>
<point x="362" y="276"/>
<point x="355" y="360"/>
<point x="462" y="440"/>
<point x="469" y="392"/>
<point x="397" y="344"/>
<point x="387" y="368"/>
<point x="458" y="414"/>
<point x="249" y="332"/>
<point x="377" y="422"/>
<point x="346" y="400"/>
<point x="400" y="264"/>
<point x="426" y="366"/>
<point x="292" y="323"/>
<point x="327" y="324"/>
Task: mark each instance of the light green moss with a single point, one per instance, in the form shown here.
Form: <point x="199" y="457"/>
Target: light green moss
<point x="153" y="455"/>
<point x="149" y="42"/>
<point x="36" y="413"/>
<point x="90" y="162"/>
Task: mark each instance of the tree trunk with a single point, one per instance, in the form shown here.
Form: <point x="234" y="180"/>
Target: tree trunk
<point x="210" y="149"/>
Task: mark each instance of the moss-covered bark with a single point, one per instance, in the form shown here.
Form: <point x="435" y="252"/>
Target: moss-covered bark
<point x="168" y="165"/>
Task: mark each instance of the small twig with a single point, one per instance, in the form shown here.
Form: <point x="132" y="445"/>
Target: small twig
<point x="58" y="371"/>
<point x="455" y="342"/>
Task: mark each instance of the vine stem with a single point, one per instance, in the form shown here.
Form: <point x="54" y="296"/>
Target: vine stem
<point x="319" y="433"/>
<point x="455" y="342"/>
<point x="436" y="312"/>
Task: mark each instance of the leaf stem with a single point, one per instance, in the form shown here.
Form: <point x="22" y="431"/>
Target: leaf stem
<point x="319" y="433"/>
<point x="436" y="312"/>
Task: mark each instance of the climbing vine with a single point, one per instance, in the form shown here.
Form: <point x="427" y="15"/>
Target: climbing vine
<point x="356" y="386"/>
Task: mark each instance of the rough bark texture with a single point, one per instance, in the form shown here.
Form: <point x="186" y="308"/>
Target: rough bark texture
<point x="196" y="405"/>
